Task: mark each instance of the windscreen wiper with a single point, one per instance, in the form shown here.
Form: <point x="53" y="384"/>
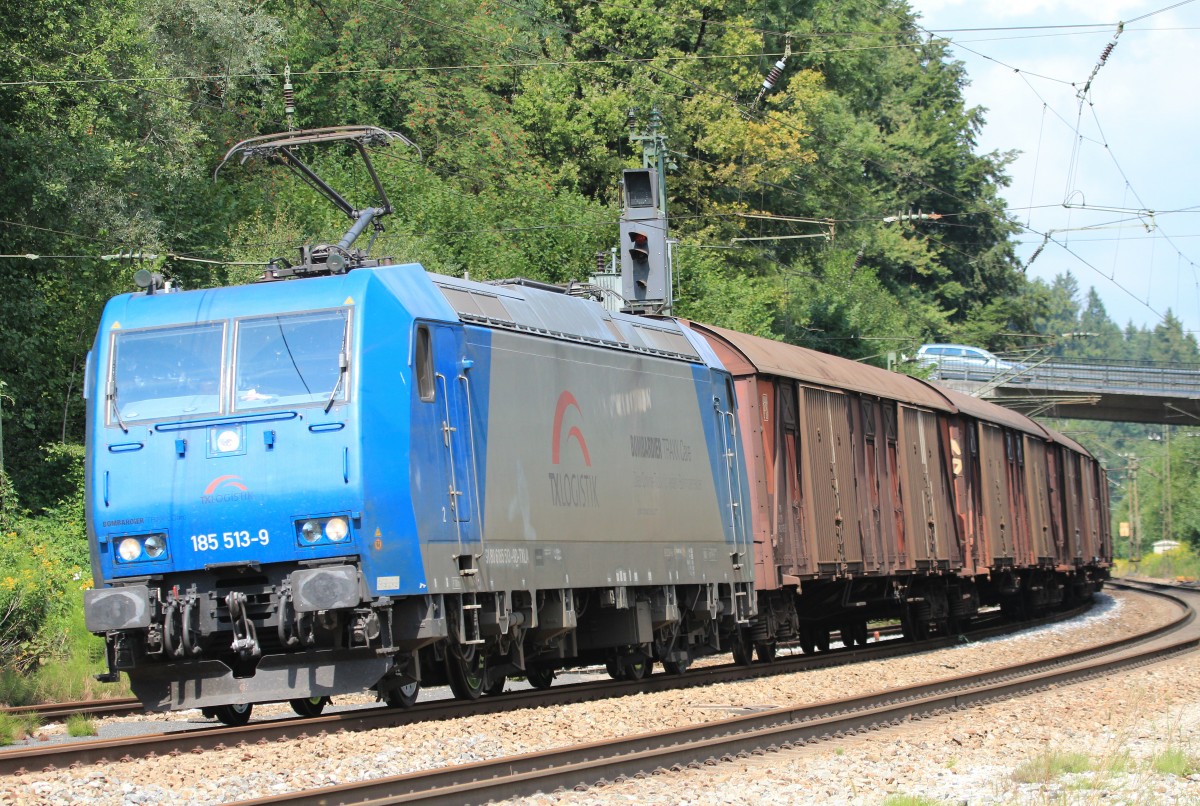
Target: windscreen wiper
<point x="111" y="396"/>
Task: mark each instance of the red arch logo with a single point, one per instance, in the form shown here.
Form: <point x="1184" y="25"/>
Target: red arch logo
<point x="567" y="401"/>
<point x="224" y="481"/>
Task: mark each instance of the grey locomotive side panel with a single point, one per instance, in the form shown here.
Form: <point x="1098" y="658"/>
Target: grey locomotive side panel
<point x="598" y="471"/>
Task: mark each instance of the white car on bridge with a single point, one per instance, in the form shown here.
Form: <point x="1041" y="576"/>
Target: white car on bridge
<point x="960" y="362"/>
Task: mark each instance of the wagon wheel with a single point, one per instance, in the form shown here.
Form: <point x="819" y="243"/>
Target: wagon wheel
<point x="822" y="638"/>
<point x="467" y="672"/>
<point x="309" y="706"/>
<point x="808" y="642"/>
<point x="233" y="715"/>
<point x="765" y="651"/>
<point x="404" y="696"/>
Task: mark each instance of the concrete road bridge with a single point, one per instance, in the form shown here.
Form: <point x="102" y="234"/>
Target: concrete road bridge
<point x="1119" y="391"/>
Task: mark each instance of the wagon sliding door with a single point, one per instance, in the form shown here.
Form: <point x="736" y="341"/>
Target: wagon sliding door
<point x="832" y="498"/>
<point x="1037" y="485"/>
<point x="928" y="512"/>
<point x="993" y="472"/>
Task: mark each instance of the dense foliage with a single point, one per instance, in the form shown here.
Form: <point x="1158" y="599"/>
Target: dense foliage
<point x="113" y="116"/>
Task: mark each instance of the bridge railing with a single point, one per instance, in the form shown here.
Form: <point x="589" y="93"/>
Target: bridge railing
<point x="1112" y="376"/>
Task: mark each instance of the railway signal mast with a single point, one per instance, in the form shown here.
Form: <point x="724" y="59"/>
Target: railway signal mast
<point x="645" y="252"/>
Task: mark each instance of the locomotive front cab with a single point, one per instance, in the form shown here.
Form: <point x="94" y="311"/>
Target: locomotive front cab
<point x="226" y="506"/>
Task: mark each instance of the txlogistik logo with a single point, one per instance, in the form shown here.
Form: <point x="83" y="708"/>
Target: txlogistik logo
<point x="571" y="489"/>
<point x="226" y="489"/>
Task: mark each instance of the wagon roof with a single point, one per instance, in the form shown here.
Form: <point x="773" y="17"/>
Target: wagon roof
<point x="1065" y="441"/>
<point x="800" y="363"/>
<point x="983" y="410"/>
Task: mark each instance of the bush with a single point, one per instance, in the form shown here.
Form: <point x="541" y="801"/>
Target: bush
<point x="1181" y="562"/>
<point x="44" y="568"/>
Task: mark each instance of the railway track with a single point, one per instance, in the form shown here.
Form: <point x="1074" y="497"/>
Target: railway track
<point x="711" y="743"/>
<point x="122" y="706"/>
<point x="96" y="751"/>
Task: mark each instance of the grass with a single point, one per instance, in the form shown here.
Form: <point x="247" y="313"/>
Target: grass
<point x="15" y="727"/>
<point x="1175" y="761"/>
<point x="909" y="800"/>
<point x="64" y="678"/>
<point x="1051" y="765"/>
<point x="80" y="725"/>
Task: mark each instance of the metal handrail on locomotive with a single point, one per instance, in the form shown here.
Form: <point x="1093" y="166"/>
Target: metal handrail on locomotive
<point x="371" y="477"/>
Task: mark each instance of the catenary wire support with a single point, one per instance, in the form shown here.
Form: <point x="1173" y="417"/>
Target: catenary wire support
<point x="774" y="74"/>
<point x="1104" y="54"/>
<point x="289" y="97"/>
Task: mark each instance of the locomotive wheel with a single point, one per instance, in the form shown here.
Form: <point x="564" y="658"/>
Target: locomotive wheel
<point x="540" y="677"/>
<point x="403" y="696"/>
<point x="677" y="667"/>
<point x="233" y="715"/>
<point x="743" y="648"/>
<point x="309" y="706"/>
<point x="467" y="675"/>
<point x="614" y="669"/>
<point x="765" y="652"/>
<point x="638" y="667"/>
<point x="495" y="687"/>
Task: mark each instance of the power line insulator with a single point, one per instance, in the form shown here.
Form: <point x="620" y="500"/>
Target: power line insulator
<point x="773" y="76"/>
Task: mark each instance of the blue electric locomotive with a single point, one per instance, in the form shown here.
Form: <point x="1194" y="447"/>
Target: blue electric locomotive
<point x="372" y="479"/>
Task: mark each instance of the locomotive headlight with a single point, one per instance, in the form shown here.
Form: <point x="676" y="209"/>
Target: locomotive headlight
<point x="155" y="546"/>
<point x="129" y="549"/>
<point x="310" y="532"/>
<point x="337" y="529"/>
<point x="228" y="441"/>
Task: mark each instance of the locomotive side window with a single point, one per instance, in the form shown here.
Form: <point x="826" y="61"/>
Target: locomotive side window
<point x="424" y="363"/>
<point x="166" y="372"/>
<point x="292" y="360"/>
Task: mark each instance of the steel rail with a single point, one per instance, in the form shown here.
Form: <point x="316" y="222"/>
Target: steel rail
<point x="97" y="751"/>
<point x="117" y="706"/>
<point x="696" y="746"/>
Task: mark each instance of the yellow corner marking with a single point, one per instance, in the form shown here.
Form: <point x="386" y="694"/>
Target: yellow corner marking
<point x="349" y="301"/>
<point x="116" y="326"/>
<point x="378" y="533"/>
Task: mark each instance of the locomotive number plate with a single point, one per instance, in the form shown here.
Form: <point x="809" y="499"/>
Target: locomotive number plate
<point x="229" y="540"/>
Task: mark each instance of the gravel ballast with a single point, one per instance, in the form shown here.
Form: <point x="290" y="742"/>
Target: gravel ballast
<point x="968" y="756"/>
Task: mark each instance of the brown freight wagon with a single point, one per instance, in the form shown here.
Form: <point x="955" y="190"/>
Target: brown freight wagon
<point x="877" y="495"/>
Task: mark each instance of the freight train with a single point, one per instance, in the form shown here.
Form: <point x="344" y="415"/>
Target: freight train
<point x="384" y="478"/>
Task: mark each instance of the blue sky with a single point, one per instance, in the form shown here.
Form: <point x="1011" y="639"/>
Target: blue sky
<point x="1129" y="149"/>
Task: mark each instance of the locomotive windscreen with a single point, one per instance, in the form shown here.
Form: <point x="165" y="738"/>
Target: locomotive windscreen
<point x="290" y="360"/>
<point x="166" y="372"/>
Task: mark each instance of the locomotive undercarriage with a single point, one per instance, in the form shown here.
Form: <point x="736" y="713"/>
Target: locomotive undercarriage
<point x="246" y="634"/>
